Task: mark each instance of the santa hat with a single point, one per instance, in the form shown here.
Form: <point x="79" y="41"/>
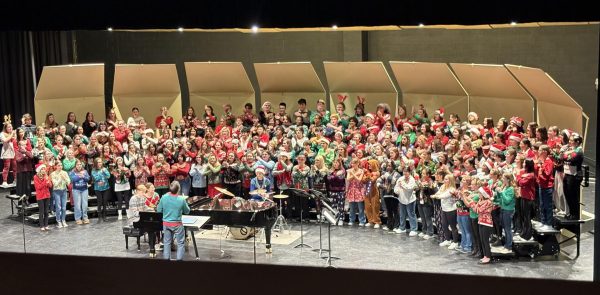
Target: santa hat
<point x="340" y="134"/>
<point x="485" y="192"/>
<point x="489" y="164"/>
<point x="39" y="167"/>
<point x="360" y="147"/>
<point x="406" y="124"/>
<point x="473" y="114"/>
<point x="517" y="121"/>
<point x="440" y="112"/>
<point x="148" y="131"/>
<point x="370" y="116"/>
<point x="474" y="130"/>
<point x="497" y="148"/>
<point x="516" y="137"/>
<point x="260" y="169"/>
<point x="235" y="141"/>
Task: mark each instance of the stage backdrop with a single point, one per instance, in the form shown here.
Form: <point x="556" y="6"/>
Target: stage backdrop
<point x="431" y="84"/>
<point x="287" y="82"/>
<point x="368" y="80"/>
<point x="147" y="87"/>
<point x="494" y="92"/>
<point x="70" y="88"/>
<point x="217" y="84"/>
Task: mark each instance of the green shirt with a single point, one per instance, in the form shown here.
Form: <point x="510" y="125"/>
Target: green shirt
<point x="506" y="198"/>
<point x="68" y="165"/>
<point x="172" y="207"/>
<point x="472" y="213"/>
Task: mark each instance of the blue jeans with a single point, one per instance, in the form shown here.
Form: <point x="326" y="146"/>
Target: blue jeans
<point x="60" y="204"/>
<point x="169" y="232"/>
<point x="464" y="224"/>
<point x="185" y="185"/>
<point x="546" y="205"/>
<point x="80" y="200"/>
<point x="507" y="216"/>
<point x="362" y="219"/>
<point x="408" y="209"/>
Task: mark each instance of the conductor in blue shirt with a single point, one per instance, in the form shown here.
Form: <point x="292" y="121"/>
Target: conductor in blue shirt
<point x="173" y="206"/>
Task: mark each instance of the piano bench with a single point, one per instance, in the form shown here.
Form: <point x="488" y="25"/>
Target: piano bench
<point x="131" y="232"/>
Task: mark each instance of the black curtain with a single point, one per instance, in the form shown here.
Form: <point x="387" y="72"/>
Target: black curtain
<point x="17" y="72"/>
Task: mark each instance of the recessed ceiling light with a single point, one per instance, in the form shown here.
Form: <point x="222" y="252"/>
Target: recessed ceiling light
<point x="109" y="29"/>
<point x="513" y="23"/>
<point x="180" y="29"/>
<point x="334" y="27"/>
<point x="255" y="29"/>
<point x="421" y="25"/>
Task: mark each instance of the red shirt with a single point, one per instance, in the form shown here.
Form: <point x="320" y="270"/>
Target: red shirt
<point x="168" y="120"/>
<point x="121" y="136"/>
<point x="42" y="187"/>
<point x="180" y="172"/>
<point x="526" y="182"/>
<point x="545" y="176"/>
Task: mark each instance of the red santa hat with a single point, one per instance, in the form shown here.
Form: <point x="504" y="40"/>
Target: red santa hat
<point x="369" y="115"/>
<point x="260" y="168"/>
<point x="474" y="130"/>
<point x="516" y="137"/>
<point x="489" y="164"/>
<point x="485" y="192"/>
<point x="440" y="112"/>
<point x="406" y="124"/>
<point x="497" y="148"/>
<point x="517" y="121"/>
<point x="39" y="167"/>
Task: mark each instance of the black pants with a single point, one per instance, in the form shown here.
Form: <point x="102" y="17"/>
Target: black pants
<point x="391" y="206"/>
<point x="123" y="196"/>
<point x="44" y="207"/>
<point x="24" y="183"/>
<point x="103" y="197"/>
<point x="571" y="185"/>
<point x="476" y="239"/>
<point x="485" y="232"/>
<point x="497" y="220"/>
<point x="198" y="191"/>
<point x="526" y="209"/>
<point x="517" y="218"/>
<point x="449" y="219"/>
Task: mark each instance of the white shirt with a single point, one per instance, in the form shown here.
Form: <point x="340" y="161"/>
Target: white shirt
<point x="405" y="189"/>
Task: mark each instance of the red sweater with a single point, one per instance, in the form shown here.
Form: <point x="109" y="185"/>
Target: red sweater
<point x="526" y="182"/>
<point x="42" y="187"/>
<point x="545" y="176"/>
<point x="484" y="208"/>
<point x="180" y="172"/>
<point x="121" y="136"/>
<point x="168" y="120"/>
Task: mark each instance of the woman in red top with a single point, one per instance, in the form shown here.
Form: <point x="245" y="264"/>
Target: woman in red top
<point x="161" y="171"/>
<point x="181" y="170"/>
<point x="526" y="183"/>
<point x="42" y="184"/>
<point x="168" y="119"/>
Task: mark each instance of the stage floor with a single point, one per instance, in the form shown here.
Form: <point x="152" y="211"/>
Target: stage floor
<point x="358" y="248"/>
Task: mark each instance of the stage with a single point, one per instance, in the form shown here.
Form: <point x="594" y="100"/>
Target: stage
<point x="358" y="248"/>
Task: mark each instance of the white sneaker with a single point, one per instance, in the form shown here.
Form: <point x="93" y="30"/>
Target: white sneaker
<point x="350" y="223"/>
<point x="368" y="225"/>
<point x="426" y="237"/>
<point x="59" y="225"/>
<point x="385" y="227"/>
<point x="400" y="231"/>
<point x="412" y="234"/>
<point x="361" y="224"/>
<point x="376" y="226"/>
<point x="517" y="239"/>
<point x="421" y="234"/>
<point x="13" y="184"/>
<point x="453" y="246"/>
<point x="4" y="184"/>
<point x="445" y="243"/>
<point x="120" y="216"/>
<point x="340" y="222"/>
<point x="64" y="223"/>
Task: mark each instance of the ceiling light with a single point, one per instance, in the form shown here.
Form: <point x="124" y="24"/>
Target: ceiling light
<point x="180" y="29"/>
<point x="421" y="25"/>
<point x="254" y="29"/>
<point x="513" y="23"/>
<point x="109" y="29"/>
<point x="334" y="27"/>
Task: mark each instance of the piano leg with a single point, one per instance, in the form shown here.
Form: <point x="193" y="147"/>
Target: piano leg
<point x="268" y="239"/>
<point x="195" y="246"/>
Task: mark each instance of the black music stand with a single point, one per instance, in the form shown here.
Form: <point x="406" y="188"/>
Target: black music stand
<point x="321" y="219"/>
<point x="331" y="219"/>
<point x="301" y="194"/>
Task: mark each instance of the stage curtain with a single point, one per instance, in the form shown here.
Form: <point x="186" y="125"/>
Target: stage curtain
<point x="16" y="72"/>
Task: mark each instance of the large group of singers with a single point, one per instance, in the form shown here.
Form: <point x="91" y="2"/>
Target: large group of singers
<point x="487" y="178"/>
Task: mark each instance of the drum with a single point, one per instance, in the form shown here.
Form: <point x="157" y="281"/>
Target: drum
<point x="241" y="233"/>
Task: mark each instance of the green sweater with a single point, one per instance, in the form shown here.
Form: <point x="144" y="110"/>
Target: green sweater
<point x="68" y="165"/>
<point x="172" y="207"/>
<point x="472" y="213"/>
<point x="506" y="198"/>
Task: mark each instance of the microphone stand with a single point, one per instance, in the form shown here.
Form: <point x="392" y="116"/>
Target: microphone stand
<point x="22" y="200"/>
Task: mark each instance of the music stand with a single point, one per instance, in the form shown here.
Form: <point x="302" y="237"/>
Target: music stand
<point x="321" y="219"/>
<point x="301" y="194"/>
<point x="331" y="219"/>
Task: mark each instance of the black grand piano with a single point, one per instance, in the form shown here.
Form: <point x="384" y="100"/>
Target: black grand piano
<point x="237" y="212"/>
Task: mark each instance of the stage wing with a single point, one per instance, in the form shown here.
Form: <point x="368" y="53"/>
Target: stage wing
<point x="287" y="82"/>
<point x="217" y="84"/>
<point x="431" y="84"/>
<point x="70" y="88"/>
<point x="365" y="79"/>
<point x="148" y="87"/>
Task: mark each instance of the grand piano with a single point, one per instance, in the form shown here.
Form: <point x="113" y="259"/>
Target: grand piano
<point x="237" y="212"/>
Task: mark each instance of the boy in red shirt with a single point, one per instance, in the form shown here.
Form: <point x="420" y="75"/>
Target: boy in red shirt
<point x="545" y="180"/>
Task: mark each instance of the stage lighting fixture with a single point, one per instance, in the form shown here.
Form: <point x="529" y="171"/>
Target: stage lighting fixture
<point x="513" y="23"/>
<point x="109" y="29"/>
<point x="334" y="27"/>
<point x="180" y="29"/>
<point x="254" y="29"/>
<point x="421" y="25"/>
